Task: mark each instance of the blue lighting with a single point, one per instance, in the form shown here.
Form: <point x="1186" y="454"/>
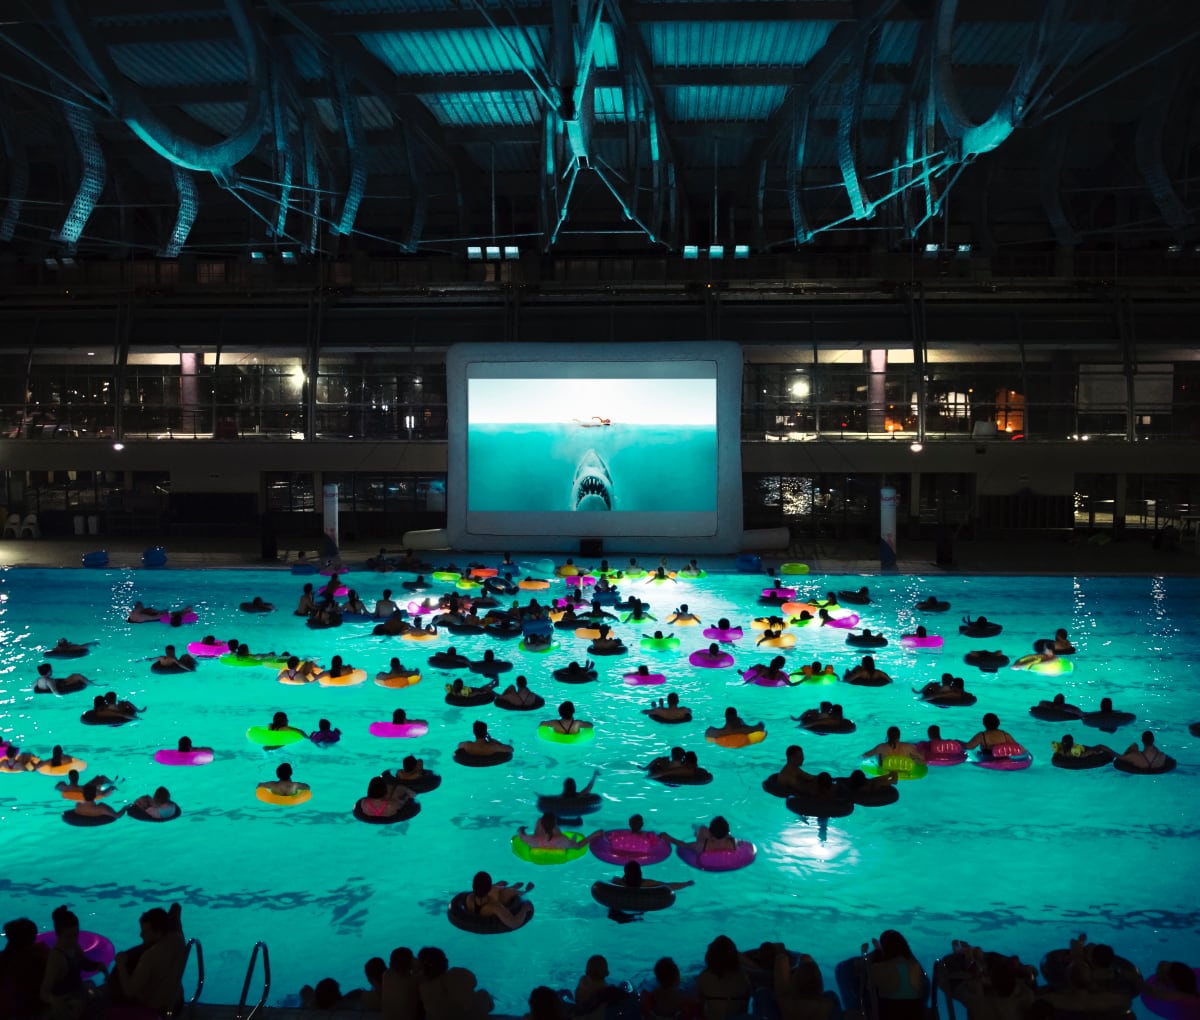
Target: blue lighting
<point x="716" y="251"/>
<point x="741" y="251"/>
<point x="258" y="256"/>
<point x="511" y="251"/>
<point x="493" y="251"/>
<point x="691" y="251"/>
<point x="474" y="252"/>
<point x="288" y="256"/>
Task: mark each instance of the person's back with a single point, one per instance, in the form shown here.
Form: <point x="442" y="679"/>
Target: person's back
<point x="401" y="988"/>
<point x="449" y="993"/>
<point x="22" y="966"/>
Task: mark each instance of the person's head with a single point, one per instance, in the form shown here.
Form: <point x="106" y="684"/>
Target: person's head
<point x="548" y="823"/>
<point x="162" y="795"/>
<point x="481" y="884"/>
<point x="377" y="788"/>
<point x="777" y="663"/>
<point x="636" y="823"/>
<point x="689" y="759"/>
<point x="336" y="662"/>
<point x="731" y="715"/>
<point x="1147" y="739"/>
<point x="65" y="922"/>
<point x="868" y="662"/>
<point x="97" y="702"/>
<point x="857" y="779"/>
<point x="893" y="734"/>
<point x="569" y="787"/>
<point x="328" y="992"/>
<point x="284" y="772"/>
<point x="597" y="967"/>
<point x="921" y="632"/>
<point x="633" y="874"/>
<point x="409" y="763"/>
<point x="1060" y="634"/>
<point x="457" y="686"/>
<point x="683" y="607"/>
<point x="56" y="756"/>
<point x="432" y="962"/>
<point x="794" y="754"/>
<point x="21" y="933"/>
<point x="399" y="716"/>
<point x="934" y="732"/>
<point x="721" y="957"/>
<point x="45" y="669"/>
<point x="676" y="754"/>
<point x="522" y="683"/>
<point x="824" y="781"/>
<point x="1102" y="955"/>
<point x="1065" y="745"/>
<point x="479" y="728"/>
<point x="387" y="593"/>
<point x="401" y="960"/>
<point x="1106" y="705"/>
<point x="546" y="1004"/>
<point x="893" y="945"/>
<point x="374" y="969"/>
<point x="293" y="661"/>
<point x="722" y="624"/>
<point x="991" y="721"/>
<point x="566" y="710"/>
<point x="673" y="700"/>
<point x="718" y="828"/>
<point x="666" y="973"/>
<point x="279" y="719"/>
<point x="73" y="777"/>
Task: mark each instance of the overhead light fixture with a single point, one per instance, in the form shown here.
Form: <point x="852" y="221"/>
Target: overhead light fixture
<point x="931" y="251"/>
<point x="67" y="262"/>
<point x="963" y="251"/>
<point x="511" y="251"/>
<point x="118" y="447"/>
<point x="258" y="256"/>
<point x="741" y="251"/>
<point x="288" y="256"/>
<point x="691" y="251"/>
<point x="716" y="251"/>
<point x="493" y="252"/>
<point x="474" y="253"/>
<point x="917" y="447"/>
<point x="51" y="262"/>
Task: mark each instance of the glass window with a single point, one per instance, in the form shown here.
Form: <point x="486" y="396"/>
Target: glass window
<point x="380" y="395"/>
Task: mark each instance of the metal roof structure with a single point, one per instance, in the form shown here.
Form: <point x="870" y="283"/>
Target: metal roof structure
<point x="427" y="126"/>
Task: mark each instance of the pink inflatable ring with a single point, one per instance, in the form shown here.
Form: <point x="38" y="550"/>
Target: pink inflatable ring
<point x="719" y="860"/>
<point x="636" y="679"/>
<point x="726" y="635"/>
<point x="618" y="846"/>
<point x="412" y="728"/>
<point x="707" y="660"/>
<point x="170" y="756"/>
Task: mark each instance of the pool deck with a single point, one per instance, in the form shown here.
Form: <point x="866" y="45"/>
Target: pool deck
<point x="1133" y="557"/>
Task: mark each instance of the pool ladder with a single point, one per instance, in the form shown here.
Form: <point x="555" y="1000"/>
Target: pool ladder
<point x="188" y="1003"/>
<point x="241" y="1013"/>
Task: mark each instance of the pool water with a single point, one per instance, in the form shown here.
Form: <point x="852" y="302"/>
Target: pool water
<point x="1017" y="862"/>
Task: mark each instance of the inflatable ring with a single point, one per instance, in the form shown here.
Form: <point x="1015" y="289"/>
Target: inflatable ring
<point x="567" y="675"/>
<point x="735" y="740"/>
<point x="138" y="815"/>
<point x="46" y="769"/>
<point x="1107" y="721"/>
<point x="89" y="718"/>
<point x="188" y="617"/>
<point x="1051" y="713"/>
<point x="533" y="584"/>
<point x="1172" y="1009"/>
<point x="633" y="899"/>
<point x="741" y="856"/>
<point x="903" y="766"/>
<point x="481" y="696"/>
<point x="410" y="810"/>
<point x="701" y="777"/>
<point x="569" y="807"/>
<point x="96" y="949"/>
<point x="1003" y="758"/>
<point x="932" y="605"/>
<point x="1081" y="763"/>
<point x="764" y="676"/>
<point x="418" y="635"/>
<point x="706" y="660"/>
<point x="540" y="649"/>
<point x="508" y="706"/>
<point x="783" y="641"/>
<point x="170" y="756"/>
<point x="942" y="752"/>
<point x="268" y="737"/>
<point x="619" y="846"/>
<point x="270" y="797"/>
<point x="777" y="596"/>
<point x="445" y="575"/>
<point x="843" y="622"/>
<point x="726" y="635"/>
<point x="584" y="735"/>
<point x="165" y="669"/>
<point x="989" y="662"/>
<point x="929" y="641"/>
<point x="794" y="568"/>
<point x="551" y="855"/>
<point x="980" y="630"/>
<point x="86" y="821"/>
<point x="811" y="806"/>
<point x="351" y="679"/>
<point x="426" y="782"/>
<point x="662" y="644"/>
<point x="481" y="761"/>
<point x="1168" y="765"/>
<point x="395" y="682"/>
<point x="412" y="728"/>
<point x="458" y="915"/>
<point x="1036" y="664"/>
<point x="208" y="651"/>
<point x="868" y="796"/>
<point x="866" y="640"/>
<point x="636" y="679"/>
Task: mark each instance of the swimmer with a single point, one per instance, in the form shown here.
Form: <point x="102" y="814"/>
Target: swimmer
<point x="713" y="836"/>
<point x="483" y="745"/>
<point x="257" y="605"/>
<point x="384" y="607"/>
<point x="566" y="723"/>
<point x="519" y="694"/>
<point x="866" y="671"/>
<point x="990" y="736"/>
<point x="279" y="724"/>
<point x="632" y="878"/>
<point x="337" y="669"/>
<point x="792" y="776"/>
<point x="893" y="746"/>
<point x="283" y="785"/>
<point x="354" y="604"/>
<point x="48" y="683"/>
<point x="670" y="712"/>
<point x="1147" y="758"/>
<point x="682" y="615"/>
<point x="547" y="835"/>
<point x="185" y="746"/>
<point x="638" y="611"/>
<point x="72" y="789"/>
<point x="1067" y="748"/>
<point x="296" y="672"/>
<point x="64" y="649"/>
<point x="1058" y="704"/>
<point x="307" y="604"/>
<point x="499" y="900"/>
<point x="411" y="770"/>
<point x="143" y="614"/>
<point x="325" y="733"/>
<point x="604" y="644"/>
<point x="157" y="805"/>
<point x="15" y="760"/>
<point x="89" y="808"/>
<point x="734" y="726"/>
<point x="169" y="660"/>
<point x="382" y="801"/>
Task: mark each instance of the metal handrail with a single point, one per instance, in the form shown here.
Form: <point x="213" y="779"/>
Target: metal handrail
<point x="266" y="958"/>
<point x="199" y="969"/>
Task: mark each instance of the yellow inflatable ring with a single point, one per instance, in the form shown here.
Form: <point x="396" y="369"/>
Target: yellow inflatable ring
<point x="394" y="683"/>
<point x="783" y="641"/>
<point x="270" y="797"/>
<point x="533" y="584"/>
<point x="46" y="769"/>
<point x="738" y="739"/>
<point x="418" y="635"/>
<point x="351" y="679"/>
<point x="589" y="633"/>
<point x="763" y="623"/>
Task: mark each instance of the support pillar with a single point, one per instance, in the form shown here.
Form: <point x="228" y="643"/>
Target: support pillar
<point x="330" y="522"/>
<point x="876" y="392"/>
<point x="887" y="526"/>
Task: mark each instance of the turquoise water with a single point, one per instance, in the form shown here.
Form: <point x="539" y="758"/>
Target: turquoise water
<point x="532" y="467"/>
<point x="1017" y="862"/>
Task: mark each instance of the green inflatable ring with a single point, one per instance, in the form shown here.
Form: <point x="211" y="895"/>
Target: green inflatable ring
<point x="794" y="568"/>
<point x="905" y="768"/>
<point x="663" y="644"/>
<point x="585" y="734"/>
<point x="551" y="855"/>
<point x="268" y="737"/>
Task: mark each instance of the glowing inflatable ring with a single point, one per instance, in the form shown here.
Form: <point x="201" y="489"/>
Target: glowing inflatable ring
<point x="170" y="756"/>
<point x="268" y="737"/>
<point x="584" y="735"/>
<point x="1052" y="667"/>
<point x="904" y="767"/>
<point x="794" y="568"/>
<point x="546" y="855"/>
<point x="719" y="860"/>
<point x="662" y="644"/>
<point x="726" y="635"/>
<point x="618" y="846"/>
<point x="705" y="660"/>
<point x="268" y="797"/>
<point x="412" y="728"/>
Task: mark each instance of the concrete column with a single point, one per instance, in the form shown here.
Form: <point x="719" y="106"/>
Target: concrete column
<point x="1119" y="504"/>
<point x="876" y="391"/>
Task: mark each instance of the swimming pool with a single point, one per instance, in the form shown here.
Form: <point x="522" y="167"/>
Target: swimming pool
<point x="1014" y="861"/>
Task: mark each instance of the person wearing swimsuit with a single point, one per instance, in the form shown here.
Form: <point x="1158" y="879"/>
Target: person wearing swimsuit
<point x="991" y="736"/>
